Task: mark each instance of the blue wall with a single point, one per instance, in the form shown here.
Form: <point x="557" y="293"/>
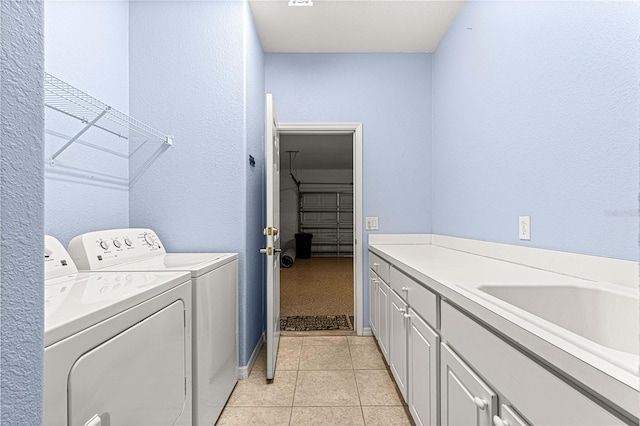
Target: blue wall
<point x="535" y="112"/>
<point x="87" y="45"/>
<point x="391" y="95"/>
<point x="253" y="297"/>
<point x="200" y="79"/>
<point x="21" y="211"/>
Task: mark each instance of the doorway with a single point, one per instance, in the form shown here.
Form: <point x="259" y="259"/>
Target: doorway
<point x="320" y="225"/>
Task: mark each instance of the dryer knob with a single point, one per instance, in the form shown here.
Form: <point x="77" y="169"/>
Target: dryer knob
<point x="149" y="239"/>
<point x="117" y="243"/>
<point x="128" y="242"/>
<point x="104" y="245"/>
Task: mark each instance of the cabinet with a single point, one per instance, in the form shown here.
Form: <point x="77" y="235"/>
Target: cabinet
<point x="453" y="370"/>
<point x="508" y="417"/>
<point x="527" y="392"/>
<point x="465" y="398"/>
<point x="383" y="318"/>
<point x="329" y="217"/>
<point x="373" y="302"/>
<point x="422" y="391"/>
<point x="398" y="318"/>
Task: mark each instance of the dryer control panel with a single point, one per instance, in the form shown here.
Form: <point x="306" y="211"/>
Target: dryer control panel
<point x="57" y="262"/>
<point x="101" y="249"/>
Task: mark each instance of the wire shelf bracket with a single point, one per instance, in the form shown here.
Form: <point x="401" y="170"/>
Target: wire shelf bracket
<point x="68" y="100"/>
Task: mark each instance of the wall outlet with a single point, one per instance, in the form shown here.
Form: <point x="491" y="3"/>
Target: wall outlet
<point x="524" y="227"/>
<point x="372" y="223"/>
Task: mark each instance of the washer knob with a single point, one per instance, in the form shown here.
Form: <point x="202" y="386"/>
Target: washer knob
<point x="117" y="243"/>
<point x="128" y="242"/>
<point x="149" y="239"/>
<point x="104" y="245"/>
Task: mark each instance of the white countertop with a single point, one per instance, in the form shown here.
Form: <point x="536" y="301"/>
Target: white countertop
<point x="455" y="274"/>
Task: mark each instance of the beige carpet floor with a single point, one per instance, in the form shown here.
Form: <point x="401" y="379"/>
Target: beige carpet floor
<point x="317" y="286"/>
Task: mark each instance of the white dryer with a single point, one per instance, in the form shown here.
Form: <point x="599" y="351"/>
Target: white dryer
<point x="117" y="345"/>
<point x="214" y="293"/>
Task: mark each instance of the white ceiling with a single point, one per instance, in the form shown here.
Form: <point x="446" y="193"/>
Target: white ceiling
<point x="317" y="152"/>
<point x="353" y="25"/>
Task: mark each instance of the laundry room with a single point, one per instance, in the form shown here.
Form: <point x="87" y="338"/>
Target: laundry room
<point x="515" y="130"/>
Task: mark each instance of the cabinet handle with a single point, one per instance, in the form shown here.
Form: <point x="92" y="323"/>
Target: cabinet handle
<point x="94" y="421"/>
<point x="376" y="264"/>
<point x="497" y="421"/>
<point x="406" y="315"/>
<point x="480" y="403"/>
<point x="405" y="289"/>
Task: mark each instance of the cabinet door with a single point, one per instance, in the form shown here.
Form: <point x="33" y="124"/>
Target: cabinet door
<point x="398" y="317"/>
<point x="424" y="343"/>
<point x="373" y="303"/>
<point x="465" y="398"/>
<point x="383" y="318"/>
<point x="508" y="417"/>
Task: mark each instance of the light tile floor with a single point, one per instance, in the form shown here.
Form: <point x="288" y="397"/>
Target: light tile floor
<point x="320" y="380"/>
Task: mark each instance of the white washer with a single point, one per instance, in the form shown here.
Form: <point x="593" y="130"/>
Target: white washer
<point x="117" y="345"/>
<point x="214" y="293"/>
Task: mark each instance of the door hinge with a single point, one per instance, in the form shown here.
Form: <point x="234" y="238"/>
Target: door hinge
<point x="270" y="231"/>
<point x="268" y="251"/>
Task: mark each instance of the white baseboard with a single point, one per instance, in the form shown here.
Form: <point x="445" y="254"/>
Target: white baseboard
<point x="366" y="331"/>
<point x="243" y="372"/>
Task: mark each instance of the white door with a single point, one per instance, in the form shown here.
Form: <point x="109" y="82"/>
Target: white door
<point x="272" y="235"/>
<point x="136" y="377"/>
<point x="398" y="341"/>
<point x="424" y="343"/>
<point x="383" y="318"/>
<point x="465" y="399"/>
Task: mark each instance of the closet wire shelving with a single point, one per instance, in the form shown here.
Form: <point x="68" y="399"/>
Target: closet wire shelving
<point x="338" y="221"/>
<point x="93" y="113"/>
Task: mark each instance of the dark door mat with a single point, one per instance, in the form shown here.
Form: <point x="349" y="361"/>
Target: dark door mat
<point x="317" y="322"/>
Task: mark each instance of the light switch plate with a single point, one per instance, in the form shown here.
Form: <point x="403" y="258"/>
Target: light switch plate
<point x="372" y="223"/>
<point x="524" y="227"/>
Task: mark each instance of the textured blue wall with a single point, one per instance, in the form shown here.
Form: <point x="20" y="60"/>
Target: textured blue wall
<point x="253" y="305"/>
<point x="87" y="45"/>
<point x="21" y="211"/>
<point x="195" y="81"/>
<point x="391" y="95"/>
<point x="536" y="108"/>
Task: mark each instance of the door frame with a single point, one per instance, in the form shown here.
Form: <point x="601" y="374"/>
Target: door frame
<point x="355" y="129"/>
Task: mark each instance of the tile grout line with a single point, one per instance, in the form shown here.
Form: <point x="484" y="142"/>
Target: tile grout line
<point x="364" y="421"/>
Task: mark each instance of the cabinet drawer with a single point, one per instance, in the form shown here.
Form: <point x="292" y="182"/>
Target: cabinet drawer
<point x="379" y="266"/>
<point x="541" y="396"/>
<point x="422" y="300"/>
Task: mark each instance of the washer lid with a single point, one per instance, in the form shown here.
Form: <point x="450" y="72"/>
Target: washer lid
<point x="74" y="303"/>
<point x="196" y="263"/>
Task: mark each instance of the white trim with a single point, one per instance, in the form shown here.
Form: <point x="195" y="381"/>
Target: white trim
<point x="399" y="239"/>
<point x="243" y="372"/>
<point x="366" y="331"/>
<point x="594" y="268"/>
<point x="359" y="246"/>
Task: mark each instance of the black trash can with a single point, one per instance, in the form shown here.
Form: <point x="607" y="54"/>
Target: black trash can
<point x="303" y="245"/>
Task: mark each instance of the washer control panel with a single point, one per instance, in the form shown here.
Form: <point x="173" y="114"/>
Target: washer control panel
<point x="101" y="249"/>
<point x="57" y="261"/>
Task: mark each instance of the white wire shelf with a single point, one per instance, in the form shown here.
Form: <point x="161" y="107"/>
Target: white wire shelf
<point x="93" y="113"/>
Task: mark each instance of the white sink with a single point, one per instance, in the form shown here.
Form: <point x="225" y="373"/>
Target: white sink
<point x="600" y="318"/>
